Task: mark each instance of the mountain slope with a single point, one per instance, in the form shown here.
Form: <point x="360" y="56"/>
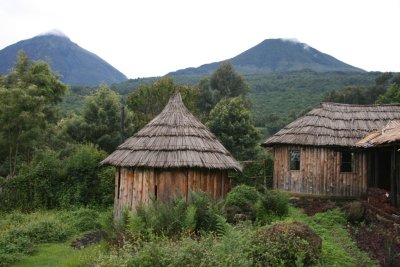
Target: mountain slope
<point x="276" y="55"/>
<point x="76" y="65"/>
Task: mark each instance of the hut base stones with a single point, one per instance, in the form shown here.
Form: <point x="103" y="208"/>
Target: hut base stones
<point x="318" y="153"/>
<point x="172" y="155"/>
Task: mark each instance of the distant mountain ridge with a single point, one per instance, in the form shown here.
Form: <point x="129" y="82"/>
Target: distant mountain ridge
<point x="76" y="65"/>
<point x="276" y="55"/>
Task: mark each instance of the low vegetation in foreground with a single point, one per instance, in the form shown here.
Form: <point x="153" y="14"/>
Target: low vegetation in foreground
<point x="248" y="229"/>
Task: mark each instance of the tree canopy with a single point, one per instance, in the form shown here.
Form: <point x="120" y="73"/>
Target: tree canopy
<point x="28" y="107"/>
<point x="231" y="121"/>
<point x="100" y="120"/>
<point x="224" y="82"/>
<point x="149" y="100"/>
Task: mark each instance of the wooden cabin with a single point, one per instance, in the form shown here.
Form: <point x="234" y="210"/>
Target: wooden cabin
<point x="383" y="158"/>
<point x="317" y="153"/>
<point x="173" y="154"/>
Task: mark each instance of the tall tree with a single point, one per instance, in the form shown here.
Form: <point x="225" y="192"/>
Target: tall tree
<point x="100" y="120"/>
<point x="224" y="82"/>
<point x="149" y="100"/>
<point x="392" y="95"/>
<point x="28" y="99"/>
<point x="231" y="121"/>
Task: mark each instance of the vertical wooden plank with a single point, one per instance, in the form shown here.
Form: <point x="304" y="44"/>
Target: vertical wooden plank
<point x="116" y="190"/>
<point x="145" y="187"/>
<point x="397" y="188"/>
<point x="137" y="182"/>
<point x="393" y="174"/>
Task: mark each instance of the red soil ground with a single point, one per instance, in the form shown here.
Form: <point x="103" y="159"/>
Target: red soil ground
<point x="377" y="233"/>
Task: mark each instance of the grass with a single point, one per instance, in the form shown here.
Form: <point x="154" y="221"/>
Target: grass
<point x="44" y="233"/>
<point x="60" y="255"/>
<point x="338" y="248"/>
<point x="34" y="240"/>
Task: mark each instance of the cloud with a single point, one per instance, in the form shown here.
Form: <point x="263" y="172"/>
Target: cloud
<point x="55" y="32"/>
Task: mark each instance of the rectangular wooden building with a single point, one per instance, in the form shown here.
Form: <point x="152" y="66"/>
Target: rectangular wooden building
<point x="317" y="153"/>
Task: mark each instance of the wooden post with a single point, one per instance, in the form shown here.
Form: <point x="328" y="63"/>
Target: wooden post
<point x="376" y="166"/>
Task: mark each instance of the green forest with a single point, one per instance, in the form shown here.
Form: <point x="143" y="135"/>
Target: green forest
<point x="53" y="191"/>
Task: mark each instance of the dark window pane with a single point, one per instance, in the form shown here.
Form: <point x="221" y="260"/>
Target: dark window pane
<point x="294" y="160"/>
<point x="347" y="162"/>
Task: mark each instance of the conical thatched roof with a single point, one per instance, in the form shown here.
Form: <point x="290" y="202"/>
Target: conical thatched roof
<point x="332" y="124"/>
<point x="173" y="139"/>
<point x="385" y="136"/>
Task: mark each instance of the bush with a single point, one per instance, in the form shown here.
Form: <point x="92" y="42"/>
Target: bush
<point x="19" y="234"/>
<point x="174" y="217"/>
<point x="354" y="211"/>
<point x="53" y="180"/>
<point x="273" y="203"/>
<point x="86" y="183"/>
<point x="286" y="244"/>
<point x="241" y="202"/>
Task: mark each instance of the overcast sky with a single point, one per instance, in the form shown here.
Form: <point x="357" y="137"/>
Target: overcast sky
<point x="153" y="37"/>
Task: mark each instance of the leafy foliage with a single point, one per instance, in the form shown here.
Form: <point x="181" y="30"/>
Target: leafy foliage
<point x="223" y="83"/>
<point x="174" y="217"/>
<point x="273" y="203"/>
<point x="21" y="233"/>
<point x="28" y="97"/>
<point x="149" y="100"/>
<point x="231" y="121"/>
<point x="53" y="180"/>
<point x="392" y="95"/>
<point x="100" y="121"/>
<point x="286" y="244"/>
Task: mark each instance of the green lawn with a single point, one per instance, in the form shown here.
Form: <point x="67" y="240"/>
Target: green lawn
<point x="59" y="255"/>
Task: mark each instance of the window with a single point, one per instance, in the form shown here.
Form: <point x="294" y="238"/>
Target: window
<point x="294" y="157"/>
<point x="347" y="162"/>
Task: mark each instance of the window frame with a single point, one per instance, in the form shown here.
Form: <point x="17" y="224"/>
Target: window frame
<point x="294" y="165"/>
<point x="344" y="165"/>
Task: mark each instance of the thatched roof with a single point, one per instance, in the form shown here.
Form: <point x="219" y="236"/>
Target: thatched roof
<point x="332" y="124"/>
<point x="385" y="136"/>
<point x="173" y="139"/>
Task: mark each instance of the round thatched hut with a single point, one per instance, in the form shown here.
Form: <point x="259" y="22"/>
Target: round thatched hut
<point x="173" y="154"/>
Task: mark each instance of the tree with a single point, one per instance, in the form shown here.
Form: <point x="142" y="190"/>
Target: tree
<point x="28" y="99"/>
<point x="392" y="95"/>
<point x="224" y="82"/>
<point x="100" y="120"/>
<point x="231" y="121"/>
<point x="227" y="82"/>
<point x="348" y="95"/>
<point x="149" y="100"/>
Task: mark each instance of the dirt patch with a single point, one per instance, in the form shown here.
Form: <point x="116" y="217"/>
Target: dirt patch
<point x="381" y="243"/>
<point x="312" y="205"/>
<point x="88" y="239"/>
<point x="378" y="234"/>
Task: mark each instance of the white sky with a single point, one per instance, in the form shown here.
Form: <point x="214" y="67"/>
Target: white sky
<point x="153" y="37"/>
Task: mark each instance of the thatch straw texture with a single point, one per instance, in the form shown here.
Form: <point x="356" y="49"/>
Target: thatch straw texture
<point x="385" y="136"/>
<point x="173" y="139"/>
<point x="332" y="124"/>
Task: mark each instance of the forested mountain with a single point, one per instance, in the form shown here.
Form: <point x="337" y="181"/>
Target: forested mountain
<point x="276" y="55"/>
<point x="76" y="65"/>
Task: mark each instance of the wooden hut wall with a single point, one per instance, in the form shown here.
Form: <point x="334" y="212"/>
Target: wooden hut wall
<point x="319" y="172"/>
<point x="140" y="185"/>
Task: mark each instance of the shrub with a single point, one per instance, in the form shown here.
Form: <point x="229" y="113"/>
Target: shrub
<point x="241" y="202"/>
<point x="207" y="216"/>
<point x="85" y="182"/>
<point x="273" y="203"/>
<point x="354" y="211"/>
<point x="172" y="218"/>
<point x="19" y="234"/>
<point x="288" y="244"/>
